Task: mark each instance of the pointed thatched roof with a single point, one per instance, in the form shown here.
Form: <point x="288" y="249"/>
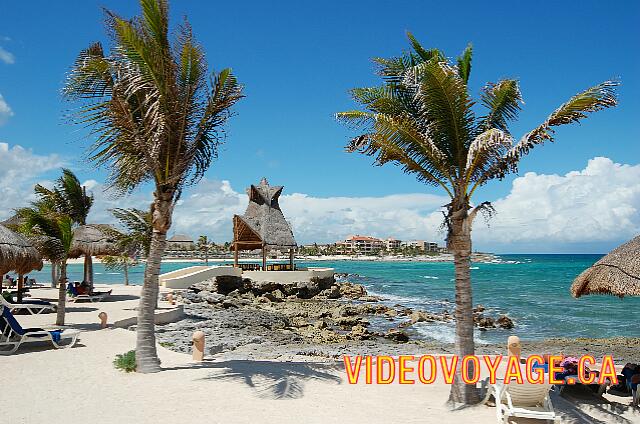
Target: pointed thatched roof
<point x="12" y="221"/>
<point x="263" y="223"/>
<point x="94" y="239"/>
<point x="16" y="253"/>
<point x="616" y="274"/>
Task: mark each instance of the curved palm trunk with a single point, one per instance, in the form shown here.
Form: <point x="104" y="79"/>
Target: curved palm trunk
<point x="459" y="243"/>
<point x="62" y="293"/>
<point x="126" y="274"/>
<point x="146" y="355"/>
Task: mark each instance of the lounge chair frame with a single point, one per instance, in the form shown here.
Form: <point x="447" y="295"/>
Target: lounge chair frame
<point x="509" y="409"/>
<point x="91" y="297"/>
<point x="31" y="307"/>
<point x="11" y="338"/>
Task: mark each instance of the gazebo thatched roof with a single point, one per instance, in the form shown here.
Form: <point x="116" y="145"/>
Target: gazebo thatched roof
<point x="263" y="223"/>
<point x="616" y="274"/>
<point x="17" y="254"/>
<point x="12" y="221"/>
<point x="94" y="239"/>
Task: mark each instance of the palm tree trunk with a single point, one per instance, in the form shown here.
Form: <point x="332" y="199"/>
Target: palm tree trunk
<point x="146" y="355"/>
<point x="62" y="293"/>
<point x="126" y="274"/>
<point x="88" y="271"/>
<point x="54" y="277"/>
<point x="459" y="243"/>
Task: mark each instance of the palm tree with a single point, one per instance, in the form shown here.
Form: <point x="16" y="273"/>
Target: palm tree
<point x="157" y="115"/>
<point x="139" y="229"/>
<point x="423" y="119"/>
<point x="203" y="245"/>
<point x="52" y="233"/>
<point x="68" y="197"/>
<point x="121" y="262"/>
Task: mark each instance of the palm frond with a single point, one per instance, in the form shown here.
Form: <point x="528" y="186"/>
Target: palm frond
<point x="464" y="63"/>
<point x="503" y="101"/>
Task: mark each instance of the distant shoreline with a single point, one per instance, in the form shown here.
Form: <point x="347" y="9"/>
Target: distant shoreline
<point x="446" y="257"/>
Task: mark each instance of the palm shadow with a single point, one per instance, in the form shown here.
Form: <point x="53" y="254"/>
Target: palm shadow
<point x="271" y="379"/>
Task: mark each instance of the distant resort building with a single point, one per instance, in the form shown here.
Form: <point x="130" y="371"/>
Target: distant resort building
<point x="180" y="242"/>
<point x="263" y="225"/>
<point x="371" y="245"/>
<point x="425" y="246"/>
<point x="393" y="244"/>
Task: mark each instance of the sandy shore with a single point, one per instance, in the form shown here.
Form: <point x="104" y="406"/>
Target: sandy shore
<point x="80" y="385"/>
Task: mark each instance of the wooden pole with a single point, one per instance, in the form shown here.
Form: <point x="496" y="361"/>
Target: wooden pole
<point x="235" y="255"/>
<point x="264" y="258"/>
<point x="291" y="258"/>
<point x="20" y="285"/>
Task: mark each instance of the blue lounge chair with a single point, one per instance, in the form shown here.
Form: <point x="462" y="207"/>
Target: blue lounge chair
<point x="33" y="306"/>
<point x="12" y="335"/>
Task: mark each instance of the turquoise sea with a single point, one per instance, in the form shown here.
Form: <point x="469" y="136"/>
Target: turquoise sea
<point x="532" y="289"/>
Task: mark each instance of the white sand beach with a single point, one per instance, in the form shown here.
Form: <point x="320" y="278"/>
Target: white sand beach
<point x="80" y="385"/>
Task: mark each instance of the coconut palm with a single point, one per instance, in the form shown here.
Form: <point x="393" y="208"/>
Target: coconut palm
<point x="52" y="234"/>
<point x="138" y="232"/>
<point x="423" y="119"/>
<point x="157" y="116"/>
<point x="121" y="262"/>
<point x="68" y="197"/>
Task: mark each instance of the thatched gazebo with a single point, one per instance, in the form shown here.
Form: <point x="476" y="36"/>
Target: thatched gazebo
<point x="263" y="225"/>
<point x="17" y="254"/>
<point x="616" y="274"/>
<point x="91" y="240"/>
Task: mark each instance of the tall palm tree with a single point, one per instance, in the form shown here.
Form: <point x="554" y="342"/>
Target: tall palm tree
<point x="52" y="233"/>
<point x="157" y="115"/>
<point x="68" y="197"/>
<point x="423" y="119"/>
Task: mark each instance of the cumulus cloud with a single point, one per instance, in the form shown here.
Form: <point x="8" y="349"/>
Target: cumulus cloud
<point x="5" y="111"/>
<point x="7" y="57"/>
<point x="589" y="210"/>
<point x="20" y="171"/>
<point x="594" y="207"/>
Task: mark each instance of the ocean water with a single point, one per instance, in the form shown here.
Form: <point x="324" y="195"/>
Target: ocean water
<point x="533" y="290"/>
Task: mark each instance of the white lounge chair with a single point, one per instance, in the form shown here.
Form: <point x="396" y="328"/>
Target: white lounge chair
<point x="12" y="335"/>
<point x="94" y="297"/>
<point x="34" y="306"/>
<point x="524" y="400"/>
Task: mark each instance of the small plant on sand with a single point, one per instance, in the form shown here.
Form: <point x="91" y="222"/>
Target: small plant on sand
<point x="166" y="344"/>
<point x="126" y="362"/>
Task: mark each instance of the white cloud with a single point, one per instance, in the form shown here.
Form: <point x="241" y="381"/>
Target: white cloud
<point x="590" y="210"/>
<point x="597" y="206"/>
<point x="7" y="57"/>
<point x="20" y="171"/>
<point x="5" y="111"/>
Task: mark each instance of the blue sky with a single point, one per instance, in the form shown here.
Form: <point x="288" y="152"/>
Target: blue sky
<point x="298" y="60"/>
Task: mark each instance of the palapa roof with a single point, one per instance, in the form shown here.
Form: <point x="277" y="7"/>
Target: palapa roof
<point x="16" y="253"/>
<point x="180" y="238"/>
<point x="94" y="239"/>
<point x="616" y="274"/>
<point x="263" y="223"/>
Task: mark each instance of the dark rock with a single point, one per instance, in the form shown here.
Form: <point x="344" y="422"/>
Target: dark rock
<point x="397" y="336"/>
<point x="228" y="283"/>
<point x="504" y="321"/>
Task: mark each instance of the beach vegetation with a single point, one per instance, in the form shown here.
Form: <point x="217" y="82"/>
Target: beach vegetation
<point x="423" y="119"/>
<point x="126" y="362"/>
<point x="157" y="116"/>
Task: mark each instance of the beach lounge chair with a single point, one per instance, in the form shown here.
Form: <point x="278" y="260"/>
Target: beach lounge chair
<point x="12" y="335"/>
<point x="524" y="400"/>
<point x="33" y="306"/>
<point x="93" y="297"/>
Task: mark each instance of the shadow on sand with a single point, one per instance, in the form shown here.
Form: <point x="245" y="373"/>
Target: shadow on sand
<point x="579" y="405"/>
<point x="271" y="379"/>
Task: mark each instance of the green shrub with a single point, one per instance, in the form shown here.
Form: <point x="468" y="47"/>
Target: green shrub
<point x="126" y="362"/>
<point x="167" y="344"/>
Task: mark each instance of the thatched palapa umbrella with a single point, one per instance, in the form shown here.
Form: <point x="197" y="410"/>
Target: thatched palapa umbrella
<point x="616" y="274"/>
<point x="91" y="240"/>
<point x="17" y="254"/>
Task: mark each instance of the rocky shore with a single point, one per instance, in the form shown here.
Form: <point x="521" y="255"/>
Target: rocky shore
<point x="326" y="319"/>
